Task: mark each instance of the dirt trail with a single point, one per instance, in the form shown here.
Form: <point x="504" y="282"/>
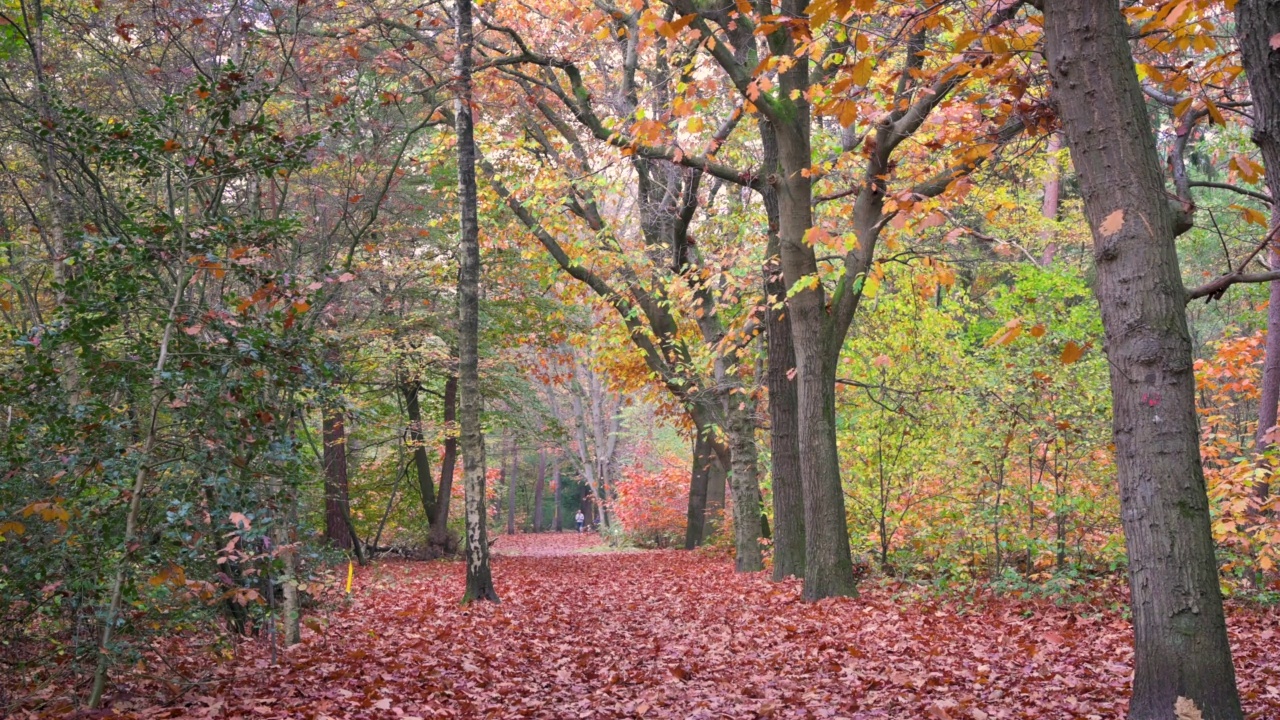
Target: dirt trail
<point x="673" y="634"/>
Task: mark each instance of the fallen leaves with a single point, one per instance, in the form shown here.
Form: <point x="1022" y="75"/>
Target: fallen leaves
<point x="673" y="634"/>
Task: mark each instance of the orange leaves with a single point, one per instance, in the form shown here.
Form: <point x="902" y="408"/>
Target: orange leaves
<point x="671" y="29"/>
<point x="1071" y="353"/>
<point x="1245" y="168"/>
<point x="1011" y="331"/>
<point x="1112" y="224"/>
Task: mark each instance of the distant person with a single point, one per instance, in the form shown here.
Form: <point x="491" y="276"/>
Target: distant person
<point x="580" y="519"/>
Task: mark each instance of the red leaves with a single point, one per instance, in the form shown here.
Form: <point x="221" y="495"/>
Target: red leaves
<point x="678" y="635"/>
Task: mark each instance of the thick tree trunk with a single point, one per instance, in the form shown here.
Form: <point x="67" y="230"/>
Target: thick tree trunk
<point x="784" y="437"/>
<point x="695" y="524"/>
<point x="717" y="482"/>
<point x="421" y="461"/>
<point x="745" y="480"/>
<point x="557" y="521"/>
<point x="512" y="452"/>
<point x="1257" y="27"/>
<point x="440" y="521"/>
<point x="479" y="577"/>
<point x="336" y="530"/>
<point x="828" y="564"/>
<point x="1180" y="636"/>
<point x="538" y="490"/>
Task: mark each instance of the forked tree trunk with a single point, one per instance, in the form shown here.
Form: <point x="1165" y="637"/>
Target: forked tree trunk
<point x="479" y="576"/>
<point x="421" y="461"/>
<point x="440" y="521"/>
<point x="538" y="489"/>
<point x="828" y="563"/>
<point x="1257" y="27"/>
<point x="1180" y="635"/>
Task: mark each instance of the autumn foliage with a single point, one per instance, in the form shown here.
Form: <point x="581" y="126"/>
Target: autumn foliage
<point x="651" y="504"/>
<point x="668" y="635"/>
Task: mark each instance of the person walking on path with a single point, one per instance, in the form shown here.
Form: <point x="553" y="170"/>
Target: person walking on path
<point x="580" y="519"/>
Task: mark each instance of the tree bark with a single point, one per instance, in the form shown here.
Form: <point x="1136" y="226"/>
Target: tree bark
<point x="828" y="563"/>
<point x="558" y="520"/>
<point x="421" y="461"/>
<point x="538" y="490"/>
<point x="695" y="523"/>
<point x="1180" y="637"/>
<point x="513" y="453"/>
<point x="336" y="530"/>
<point x="479" y="576"/>
<point x="746" y="484"/>
<point x="440" y="522"/>
<point x="784" y="434"/>
<point x="1051" y="200"/>
<point x="1257" y="24"/>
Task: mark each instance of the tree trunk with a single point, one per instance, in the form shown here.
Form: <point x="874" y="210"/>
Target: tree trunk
<point x="788" y="494"/>
<point x="828" y="564"/>
<point x="717" y="480"/>
<point x="695" y="524"/>
<point x="440" y="523"/>
<point x="538" y="490"/>
<point x="512" y="452"/>
<point x="1257" y="26"/>
<point x="557" y="521"/>
<point x="421" y="462"/>
<point x="479" y="577"/>
<point x="1052" y="197"/>
<point x="746" y="485"/>
<point x="336" y="530"/>
<point x="1180" y="636"/>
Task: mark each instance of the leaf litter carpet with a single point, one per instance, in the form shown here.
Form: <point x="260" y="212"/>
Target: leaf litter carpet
<point x="672" y="634"/>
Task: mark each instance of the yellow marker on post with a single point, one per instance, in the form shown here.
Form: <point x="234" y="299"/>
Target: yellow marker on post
<point x="351" y="571"/>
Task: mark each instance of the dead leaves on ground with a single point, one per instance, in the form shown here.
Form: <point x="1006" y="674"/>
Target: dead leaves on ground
<point x="679" y="635"/>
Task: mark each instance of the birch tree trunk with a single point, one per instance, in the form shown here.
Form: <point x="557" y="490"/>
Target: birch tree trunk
<point x="479" y="576"/>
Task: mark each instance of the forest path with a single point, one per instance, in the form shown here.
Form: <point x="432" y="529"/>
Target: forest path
<point x="673" y="634"/>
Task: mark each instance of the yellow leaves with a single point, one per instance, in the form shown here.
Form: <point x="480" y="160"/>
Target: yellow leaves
<point x="1181" y="107"/>
<point x="1012" y="330"/>
<point x="1071" y="353"/>
<point x="861" y="72"/>
<point x="964" y="40"/>
<point x="695" y="124"/>
<point x="1214" y="113"/>
<point x="12" y="527"/>
<point x="1112" y="224"/>
<point x="1251" y="215"/>
<point x="820" y="11"/>
<point x="51" y="511"/>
